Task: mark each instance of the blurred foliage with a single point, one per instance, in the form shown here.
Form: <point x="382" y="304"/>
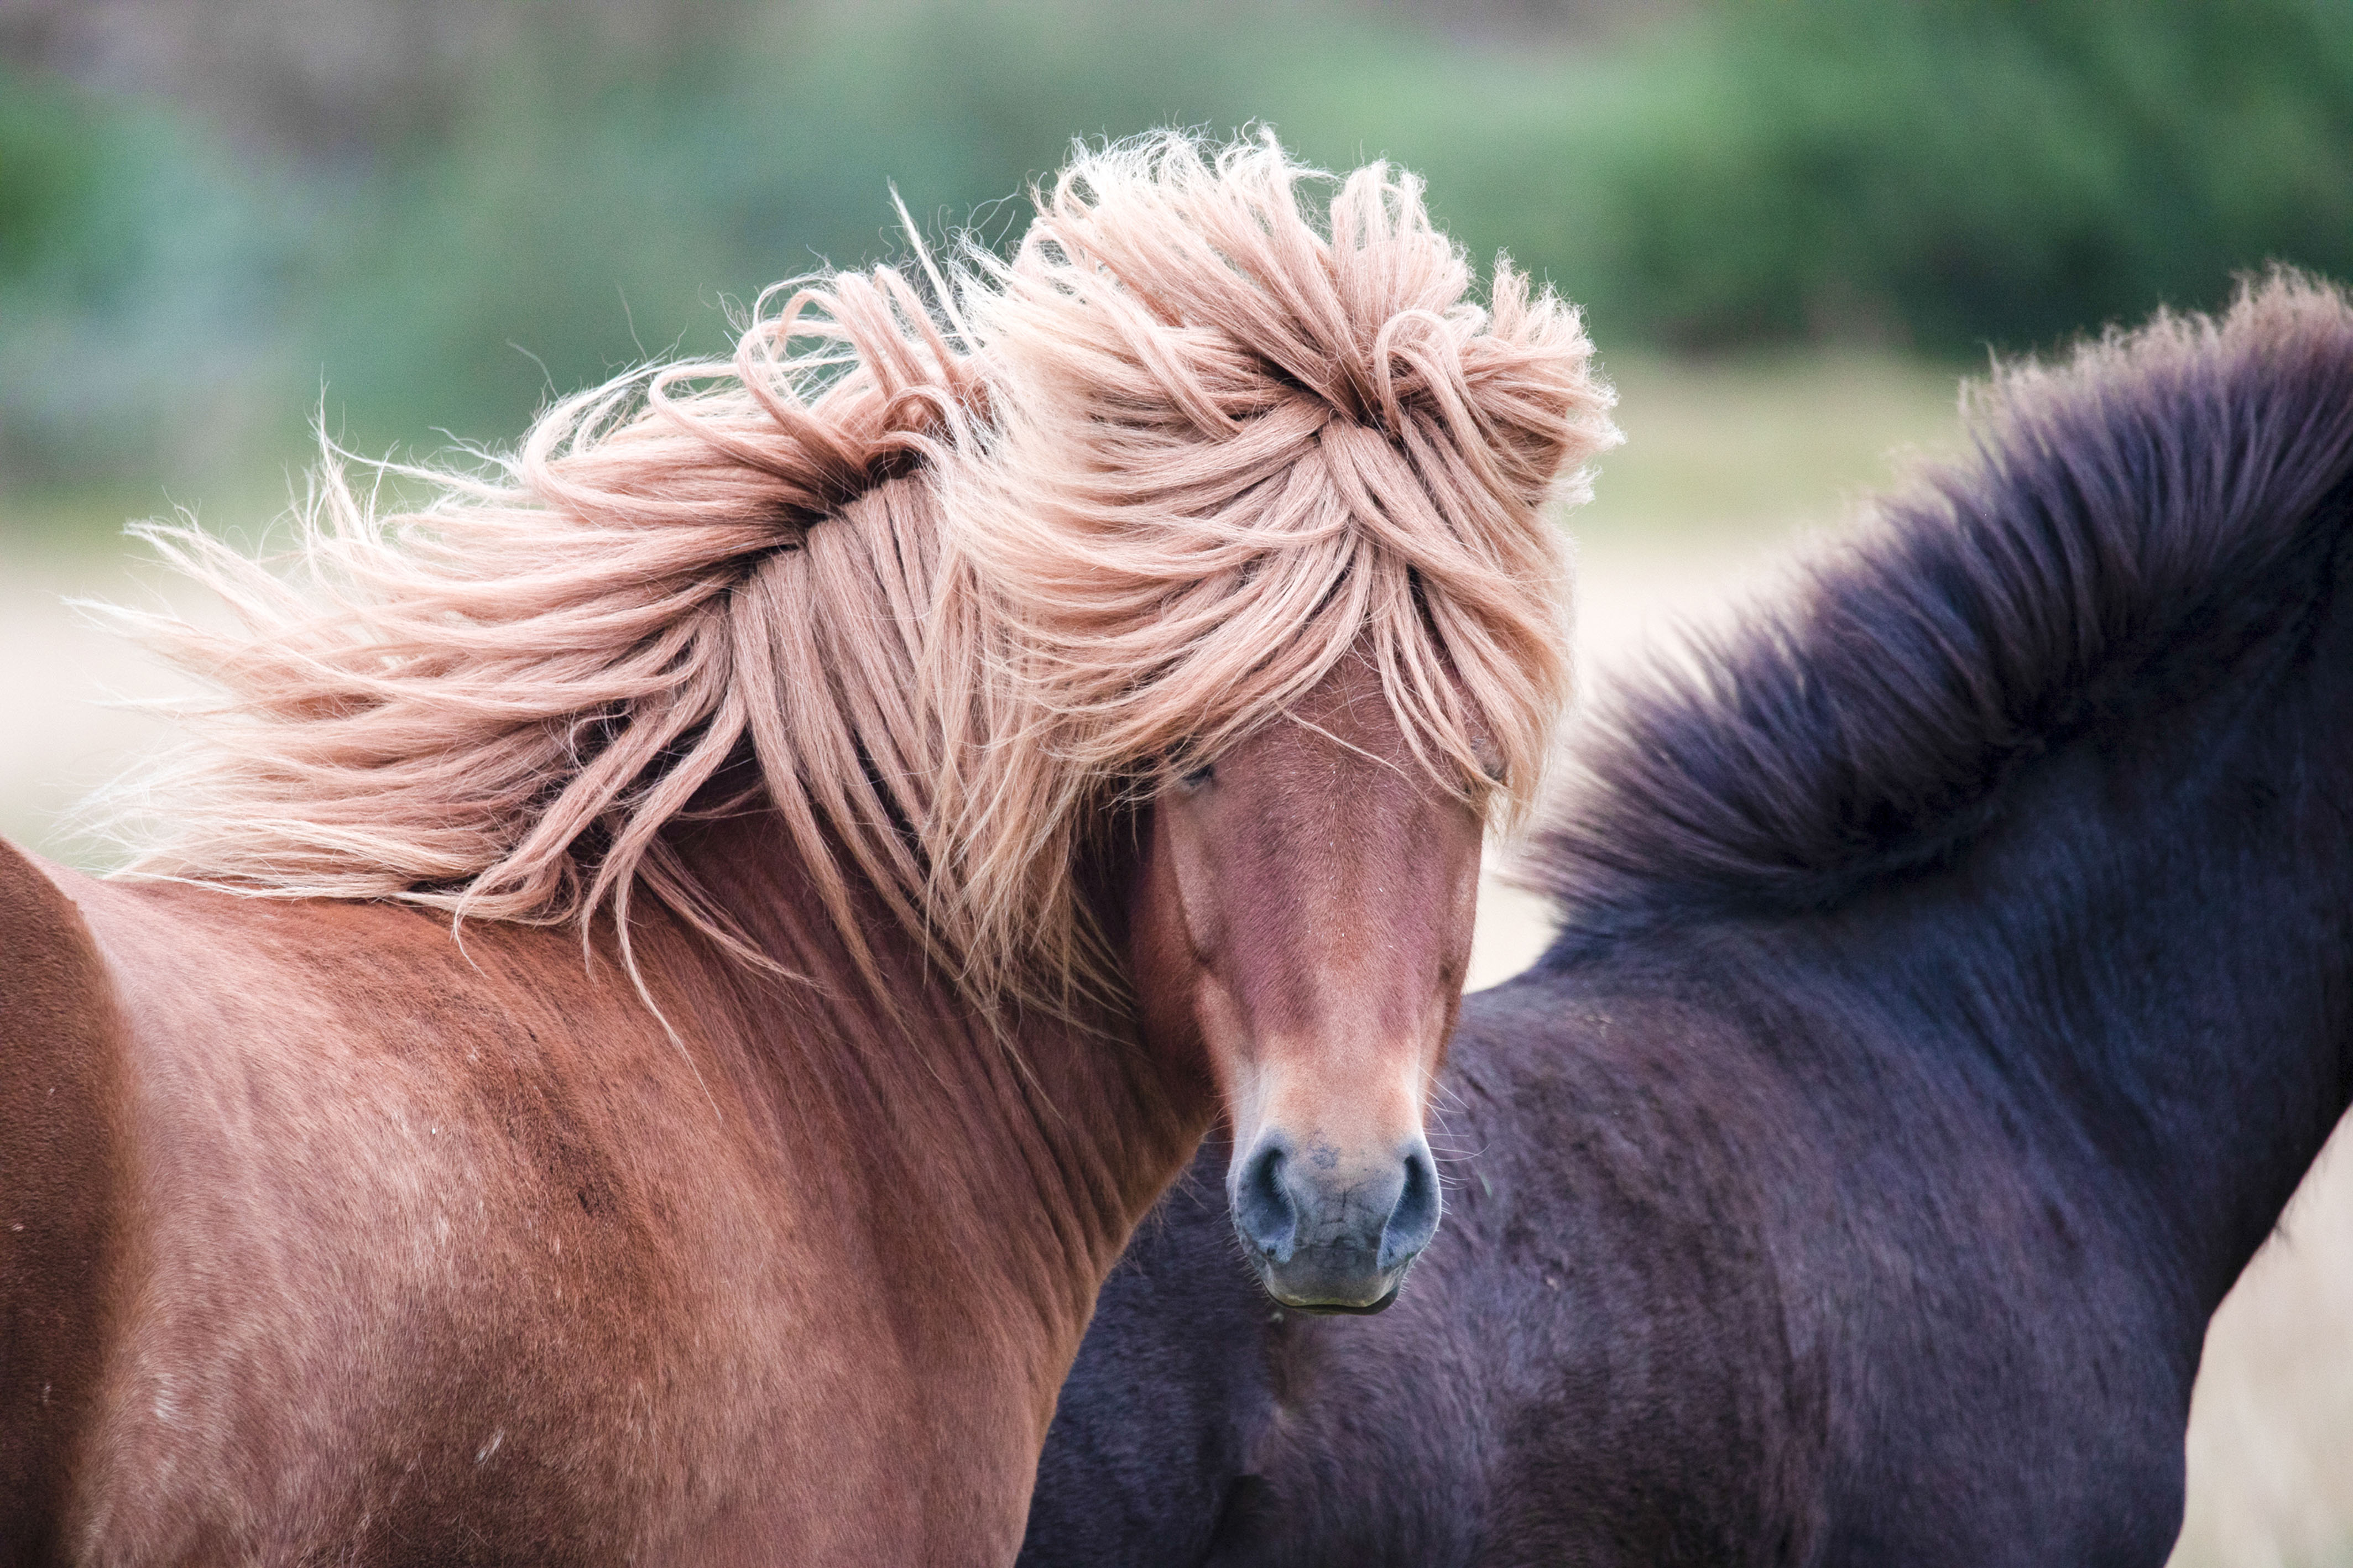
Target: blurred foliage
<point x="175" y="298"/>
<point x="136" y="292"/>
<point x="1948" y="174"/>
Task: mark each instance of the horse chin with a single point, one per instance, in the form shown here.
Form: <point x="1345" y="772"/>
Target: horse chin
<point x="1326" y="1307"/>
<point x="1335" y="1310"/>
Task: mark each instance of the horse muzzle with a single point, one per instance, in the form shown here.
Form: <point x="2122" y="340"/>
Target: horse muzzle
<point x="1328" y="1234"/>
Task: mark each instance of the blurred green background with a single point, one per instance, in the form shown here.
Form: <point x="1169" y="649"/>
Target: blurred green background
<point x="217" y="218"/>
<point x="1795" y="225"/>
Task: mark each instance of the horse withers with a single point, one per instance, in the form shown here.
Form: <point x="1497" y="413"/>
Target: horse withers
<point x="1954" y="978"/>
<point x="891" y="792"/>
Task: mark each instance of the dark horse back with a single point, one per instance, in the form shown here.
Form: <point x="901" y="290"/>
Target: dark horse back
<point x="60" y="1036"/>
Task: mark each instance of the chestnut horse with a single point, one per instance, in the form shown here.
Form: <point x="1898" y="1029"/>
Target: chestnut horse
<point x="1956" y="978"/>
<point x="891" y="792"/>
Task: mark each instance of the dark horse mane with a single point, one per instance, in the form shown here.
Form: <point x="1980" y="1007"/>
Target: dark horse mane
<point x="2126" y="524"/>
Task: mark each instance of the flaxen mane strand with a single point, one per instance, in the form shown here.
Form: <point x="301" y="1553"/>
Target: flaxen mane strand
<point x="493" y="704"/>
<point x="951" y="591"/>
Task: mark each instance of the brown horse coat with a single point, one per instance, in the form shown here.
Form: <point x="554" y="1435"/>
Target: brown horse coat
<point x="364" y="1216"/>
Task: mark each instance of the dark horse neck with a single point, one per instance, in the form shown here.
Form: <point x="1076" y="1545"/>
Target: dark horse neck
<point x="2044" y="785"/>
<point x="2154" y="930"/>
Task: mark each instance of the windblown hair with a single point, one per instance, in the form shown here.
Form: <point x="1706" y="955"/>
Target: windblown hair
<point x="954" y="573"/>
<point x="2131" y="521"/>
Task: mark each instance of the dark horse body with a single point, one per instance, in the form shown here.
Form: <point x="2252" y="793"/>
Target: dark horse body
<point x="1956" y="979"/>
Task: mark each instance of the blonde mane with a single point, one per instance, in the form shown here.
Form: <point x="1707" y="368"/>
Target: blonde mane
<point x="950" y="590"/>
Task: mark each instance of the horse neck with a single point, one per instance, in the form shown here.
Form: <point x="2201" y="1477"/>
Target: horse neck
<point x="2148" y="953"/>
<point x="1033" y="1149"/>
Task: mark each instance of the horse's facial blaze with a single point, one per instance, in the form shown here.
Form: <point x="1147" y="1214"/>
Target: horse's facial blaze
<point x="1312" y="893"/>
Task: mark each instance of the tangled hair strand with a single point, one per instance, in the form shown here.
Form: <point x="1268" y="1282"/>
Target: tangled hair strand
<point x="949" y="591"/>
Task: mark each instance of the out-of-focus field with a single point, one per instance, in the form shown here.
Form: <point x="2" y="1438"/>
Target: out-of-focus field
<point x="1726" y="467"/>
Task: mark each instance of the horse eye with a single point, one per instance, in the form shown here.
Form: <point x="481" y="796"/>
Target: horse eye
<point x="1196" y="777"/>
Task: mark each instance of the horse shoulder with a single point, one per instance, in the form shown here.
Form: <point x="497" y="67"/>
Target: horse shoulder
<point x="61" y="1036"/>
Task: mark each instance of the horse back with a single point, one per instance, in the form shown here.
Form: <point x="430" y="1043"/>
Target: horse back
<point x="60" y="1041"/>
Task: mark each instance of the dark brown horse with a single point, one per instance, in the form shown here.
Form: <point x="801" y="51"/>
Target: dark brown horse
<point x="1021" y="752"/>
<point x="1955" y="977"/>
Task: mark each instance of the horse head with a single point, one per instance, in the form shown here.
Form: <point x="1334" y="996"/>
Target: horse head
<point x="1271" y="529"/>
<point x="1304" y="922"/>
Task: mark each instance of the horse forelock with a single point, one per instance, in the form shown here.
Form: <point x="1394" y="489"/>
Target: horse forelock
<point x="1236" y="436"/>
<point x="933" y="595"/>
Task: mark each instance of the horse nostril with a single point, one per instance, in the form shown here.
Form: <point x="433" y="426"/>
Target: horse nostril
<point x="1413" y="1220"/>
<point x="1263" y="1212"/>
